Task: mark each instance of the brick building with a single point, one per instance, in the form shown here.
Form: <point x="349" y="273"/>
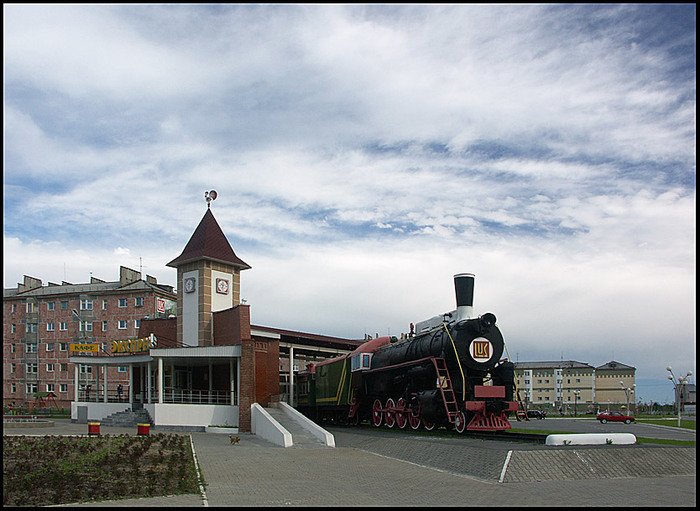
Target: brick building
<point x="41" y="323"/>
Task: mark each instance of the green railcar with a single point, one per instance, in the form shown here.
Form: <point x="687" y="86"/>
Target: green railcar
<point x="325" y="393"/>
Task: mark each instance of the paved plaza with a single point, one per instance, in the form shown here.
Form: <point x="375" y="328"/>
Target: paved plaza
<point x="382" y="468"/>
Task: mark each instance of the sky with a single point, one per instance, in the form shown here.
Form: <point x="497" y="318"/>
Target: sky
<point x="365" y="154"/>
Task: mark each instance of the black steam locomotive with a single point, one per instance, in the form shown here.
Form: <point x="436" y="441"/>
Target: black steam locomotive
<point x="447" y="371"/>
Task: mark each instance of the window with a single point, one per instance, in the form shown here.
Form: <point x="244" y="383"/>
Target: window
<point x="50" y="387"/>
<point x="63" y="346"/>
<point x="31" y="307"/>
<point x="121" y="369"/>
<point x="12" y="348"/>
<point x="122" y="302"/>
<point x="64" y="304"/>
<point x="30" y="347"/>
<point x="63" y="387"/>
<point x="14" y="328"/>
<point x="122" y="324"/>
<point x="86" y="326"/>
<point x="49" y="346"/>
<point x="51" y="306"/>
<point x="138" y="301"/>
<point x="30" y="328"/>
<point x="32" y="368"/>
<point x="32" y="388"/>
<point x="137" y="323"/>
<point x="50" y="327"/>
<point x="63" y="326"/>
<point x="104" y="305"/>
<point x="63" y="368"/>
<point x="13" y="368"/>
<point x="14" y="307"/>
<point x="49" y="368"/>
<point x="13" y="388"/>
<point x="84" y="368"/>
<point x="85" y="305"/>
<point x="104" y="326"/>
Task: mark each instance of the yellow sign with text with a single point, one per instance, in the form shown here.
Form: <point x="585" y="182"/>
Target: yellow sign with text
<point x="83" y="348"/>
<point x="134" y="345"/>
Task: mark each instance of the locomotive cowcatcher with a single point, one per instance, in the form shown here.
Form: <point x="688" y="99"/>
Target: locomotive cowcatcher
<point x="447" y="372"/>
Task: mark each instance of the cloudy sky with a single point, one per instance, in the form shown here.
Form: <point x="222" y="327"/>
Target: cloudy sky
<point x="364" y="154"/>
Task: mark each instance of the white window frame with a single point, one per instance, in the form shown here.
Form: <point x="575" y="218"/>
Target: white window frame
<point x="104" y="305"/>
<point x="122" y="322"/>
<point x="49" y="367"/>
<point x="86" y="305"/>
<point x="104" y="325"/>
<point x="124" y="302"/>
<point x="63" y="326"/>
<point x="122" y="369"/>
<point x="50" y="387"/>
<point x="31" y="368"/>
<point x="63" y="387"/>
<point x="63" y="346"/>
<point x="31" y="388"/>
<point x="137" y="323"/>
<point x="139" y="301"/>
<point x="50" y="306"/>
<point x="33" y="349"/>
<point x="50" y="326"/>
<point x="49" y="346"/>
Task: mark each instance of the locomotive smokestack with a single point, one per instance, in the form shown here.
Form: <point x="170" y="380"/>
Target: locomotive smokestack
<point x="464" y="293"/>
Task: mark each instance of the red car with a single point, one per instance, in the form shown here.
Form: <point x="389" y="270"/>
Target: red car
<point x="604" y="417"/>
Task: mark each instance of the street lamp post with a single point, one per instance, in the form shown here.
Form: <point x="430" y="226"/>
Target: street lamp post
<point x="576" y="395"/>
<point x="628" y="391"/>
<point x="678" y="388"/>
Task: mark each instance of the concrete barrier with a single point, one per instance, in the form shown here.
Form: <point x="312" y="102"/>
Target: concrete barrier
<point x="317" y="431"/>
<point x="262" y="424"/>
<point x="591" y="439"/>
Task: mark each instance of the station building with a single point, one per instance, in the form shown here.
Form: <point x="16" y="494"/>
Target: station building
<point x="200" y="364"/>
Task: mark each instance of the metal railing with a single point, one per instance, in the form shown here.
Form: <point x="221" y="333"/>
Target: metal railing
<point x="205" y="397"/>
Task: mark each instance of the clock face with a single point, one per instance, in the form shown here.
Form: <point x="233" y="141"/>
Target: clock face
<point x="189" y="285"/>
<point x="222" y="286"/>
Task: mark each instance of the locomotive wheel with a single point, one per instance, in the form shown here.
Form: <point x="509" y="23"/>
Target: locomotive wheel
<point x="401" y="418"/>
<point x="390" y="414"/>
<point x="414" y="419"/>
<point x="460" y="422"/>
<point x="377" y="414"/>
<point x="428" y="425"/>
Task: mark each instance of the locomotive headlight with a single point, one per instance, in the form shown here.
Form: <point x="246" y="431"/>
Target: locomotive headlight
<point x="481" y="350"/>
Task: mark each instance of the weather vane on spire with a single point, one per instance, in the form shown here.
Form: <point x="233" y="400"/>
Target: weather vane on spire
<point x="210" y="196"/>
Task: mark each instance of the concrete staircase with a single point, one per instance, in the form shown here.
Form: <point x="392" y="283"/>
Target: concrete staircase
<point x="128" y="418"/>
<point x="300" y="437"/>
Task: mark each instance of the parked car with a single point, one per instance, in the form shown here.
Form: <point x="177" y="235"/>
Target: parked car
<point x="604" y="417"/>
<point x="536" y="414"/>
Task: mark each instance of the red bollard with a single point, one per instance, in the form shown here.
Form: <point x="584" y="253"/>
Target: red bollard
<point x="143" y="429"/>
<point x="94" y="428"/>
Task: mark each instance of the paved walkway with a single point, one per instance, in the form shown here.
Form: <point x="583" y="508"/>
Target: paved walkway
<point x="366" y="469"/>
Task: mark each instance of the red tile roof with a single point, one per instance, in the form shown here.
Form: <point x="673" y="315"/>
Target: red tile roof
<point x="208" y="242"/>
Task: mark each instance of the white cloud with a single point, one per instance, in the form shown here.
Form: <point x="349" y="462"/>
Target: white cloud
<point x="363" y="154"/>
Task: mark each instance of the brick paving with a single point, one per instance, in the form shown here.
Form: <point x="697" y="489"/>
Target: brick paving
<point x="382" y="468"/>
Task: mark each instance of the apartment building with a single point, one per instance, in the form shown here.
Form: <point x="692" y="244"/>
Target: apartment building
<point x="575" y="387"/>
<point x="44" y="325"/>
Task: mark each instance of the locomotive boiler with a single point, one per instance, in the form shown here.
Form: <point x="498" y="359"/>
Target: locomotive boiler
<point x="447" y="371"/>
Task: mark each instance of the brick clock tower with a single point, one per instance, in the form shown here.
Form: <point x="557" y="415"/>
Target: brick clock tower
<point x="208" y="280"/>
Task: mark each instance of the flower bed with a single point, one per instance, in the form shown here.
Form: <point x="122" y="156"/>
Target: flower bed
<point x="49" y="470"/>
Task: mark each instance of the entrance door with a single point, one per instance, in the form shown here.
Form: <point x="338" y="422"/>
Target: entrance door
<point x="182" y="389"/>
